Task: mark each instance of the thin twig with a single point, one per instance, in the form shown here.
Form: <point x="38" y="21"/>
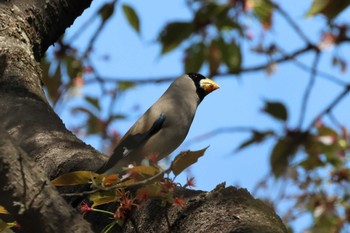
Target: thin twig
<point x="330" y="106"/>
<point x="282" y="59"/>
<point x="204" y="136"/>
<point x="142" y="182"/>
<point x="80" y="194"/>
<point x="334" y="120"/>
<point x="139" y="81"/>
<point x="83" y="27"/>
<point x="292" y="23"/>
<point x="309" y="89"/>
<point x="148" y="80"/>
<point x="320" y="73"/>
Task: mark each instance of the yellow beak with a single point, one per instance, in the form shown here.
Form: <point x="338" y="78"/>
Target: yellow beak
<point x="208" y="85"/>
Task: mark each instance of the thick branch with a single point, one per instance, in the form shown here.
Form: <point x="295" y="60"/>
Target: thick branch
<point x="25" y="112"/>
<point x="25" y="192"/>
<point x="221" y="210"/>
<point x="47" y="20"/>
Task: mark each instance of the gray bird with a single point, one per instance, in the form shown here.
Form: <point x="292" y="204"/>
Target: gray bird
<point x="164" y="126"/>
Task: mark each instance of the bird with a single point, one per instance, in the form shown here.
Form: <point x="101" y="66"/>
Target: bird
<point x="161" y="129"/>
<point x="164" y="126"/>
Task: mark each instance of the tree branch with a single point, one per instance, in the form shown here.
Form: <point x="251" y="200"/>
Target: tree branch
<point x="255" y="68"/>
<point x="223" y="208"/>
<point x="25" y="112"/>
<point x="308" y="89"/>
<point x="25" y="193"/>
<point x="292" y="23"/>
<point x="49" y="19"/>
<point x="330" y="106"/>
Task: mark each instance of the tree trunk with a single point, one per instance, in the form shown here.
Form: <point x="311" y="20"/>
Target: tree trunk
<point x="35" y="146"/>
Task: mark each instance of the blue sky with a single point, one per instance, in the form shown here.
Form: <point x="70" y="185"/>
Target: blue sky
<point x="237" y="103"/>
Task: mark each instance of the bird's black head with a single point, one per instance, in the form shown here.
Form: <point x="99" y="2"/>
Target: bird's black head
<point x="203" y="85"/>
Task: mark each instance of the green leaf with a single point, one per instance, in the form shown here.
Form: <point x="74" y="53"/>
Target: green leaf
<point x="123" y="86"/>
<point x="94" y="102"/>
<point x="262" y="9"/>
<point x="73" y="66"/>
<point x="311" y="162"/>
<point x="276" y="110"/>
<point x="74" y="178"/>
<point x="208" y="12"/>
<point x="52" y="81"/>
<point x="214" y="57"/>
<point x="224" y="22"/>
<point x="174" y="34"/>
<point x="132" y="17"/>
<point x="117" y="116"/>
<point x="329" y="8"/>
<point x="82" y="109"/>
<point x="103" y="197"/>
<point x="106" y="11"/>
<point x="3" y="225"/>
<point x="326" y="131"/>
<point x="95" y="125"/>
<point x="195" y="56"/>
<point x="231" y="54"/>
<point x="186" y="159"/>
<point x="257" y="137"/>
<point x="281" y="154"/>
<point x="145" y="170"/>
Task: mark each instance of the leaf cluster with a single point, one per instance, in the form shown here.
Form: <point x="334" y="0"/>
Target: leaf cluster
<point x="138" y="184"/>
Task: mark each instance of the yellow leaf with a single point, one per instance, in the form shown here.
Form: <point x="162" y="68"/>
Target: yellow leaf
<point x="74" y="178"/>
<point x="3" y="210"/>
<point x="103" y="201"/>
<point x="125" y="183"/>
<point x="3" y="225"/>
<point x="103" y="197"/>
<point x="12" y="224"/>
<point x="186" y="159"/>
<point x="146" y="170"/>
<point x="151" y="190"/>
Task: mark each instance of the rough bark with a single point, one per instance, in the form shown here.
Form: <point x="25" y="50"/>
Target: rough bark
<point x="25" y="112"/>
<point x="221" y="210"/>
<point x="27" y="194"/>
<point x="35" y="145"/>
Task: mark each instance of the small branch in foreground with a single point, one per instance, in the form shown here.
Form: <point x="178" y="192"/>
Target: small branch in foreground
<point x="142" y="182"/>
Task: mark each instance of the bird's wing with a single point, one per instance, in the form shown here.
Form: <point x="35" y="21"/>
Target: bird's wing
<point x="132" y="142"/>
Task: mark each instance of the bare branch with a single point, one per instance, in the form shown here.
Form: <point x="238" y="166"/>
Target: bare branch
<point x="256" y="68"/>
<point x="330" y="106"/>
<point x="292" y="23"/>
<point x="308" y="89"/>
<point x="215" y="132"/>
